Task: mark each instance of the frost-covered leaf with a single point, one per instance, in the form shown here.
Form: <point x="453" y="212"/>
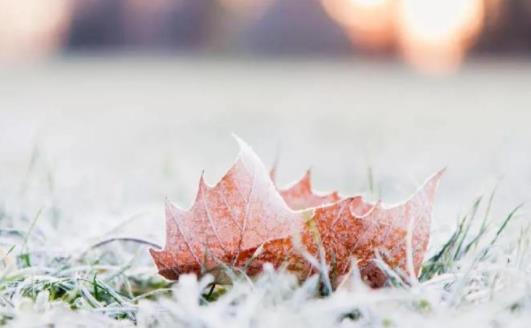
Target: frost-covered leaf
<point x="300" y="195"/>
<point x="245" y="221"/>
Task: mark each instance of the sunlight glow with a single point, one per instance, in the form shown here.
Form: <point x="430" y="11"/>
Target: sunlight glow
<point x="32" y="28"/>
<point x="369" y="23"/>
<point x="432" y="35"/>
<point x="435" y="34"/>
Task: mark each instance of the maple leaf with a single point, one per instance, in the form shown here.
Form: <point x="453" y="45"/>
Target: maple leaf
<point x="244" y="221"/>
<point x="300" y="195"/>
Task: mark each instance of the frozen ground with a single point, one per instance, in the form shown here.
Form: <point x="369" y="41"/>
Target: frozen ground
<point x="95" y="146"/>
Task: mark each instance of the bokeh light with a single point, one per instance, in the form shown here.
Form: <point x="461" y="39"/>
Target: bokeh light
<point x="30" y="29"/>
<point x="368" y="23"/>
<point x="430" y="35"/>
<point x="434" y="35"/>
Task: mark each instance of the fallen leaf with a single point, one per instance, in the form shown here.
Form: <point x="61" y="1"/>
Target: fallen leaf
<point x="300" y="195"/>
<point x="244" y="221"/>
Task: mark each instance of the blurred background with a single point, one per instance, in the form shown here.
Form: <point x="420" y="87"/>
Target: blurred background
<point x="430" y="35"/>
<point x="109" y="106"/>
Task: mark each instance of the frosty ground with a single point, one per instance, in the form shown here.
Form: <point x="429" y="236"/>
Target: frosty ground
<point x="90" y="149"/>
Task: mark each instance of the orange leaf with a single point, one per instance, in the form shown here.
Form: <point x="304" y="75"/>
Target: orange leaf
<point x="300" y="195"/>
<point x="244" y="221"/>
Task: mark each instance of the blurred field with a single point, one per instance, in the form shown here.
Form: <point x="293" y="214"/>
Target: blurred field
<point x="126" y="122"/>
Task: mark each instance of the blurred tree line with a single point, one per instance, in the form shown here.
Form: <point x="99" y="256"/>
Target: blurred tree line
<point x="282" y="26"/>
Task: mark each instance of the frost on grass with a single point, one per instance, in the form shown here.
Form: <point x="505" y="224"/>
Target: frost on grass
<point x="474" y="279"/>
<point x="479" y="277"/>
